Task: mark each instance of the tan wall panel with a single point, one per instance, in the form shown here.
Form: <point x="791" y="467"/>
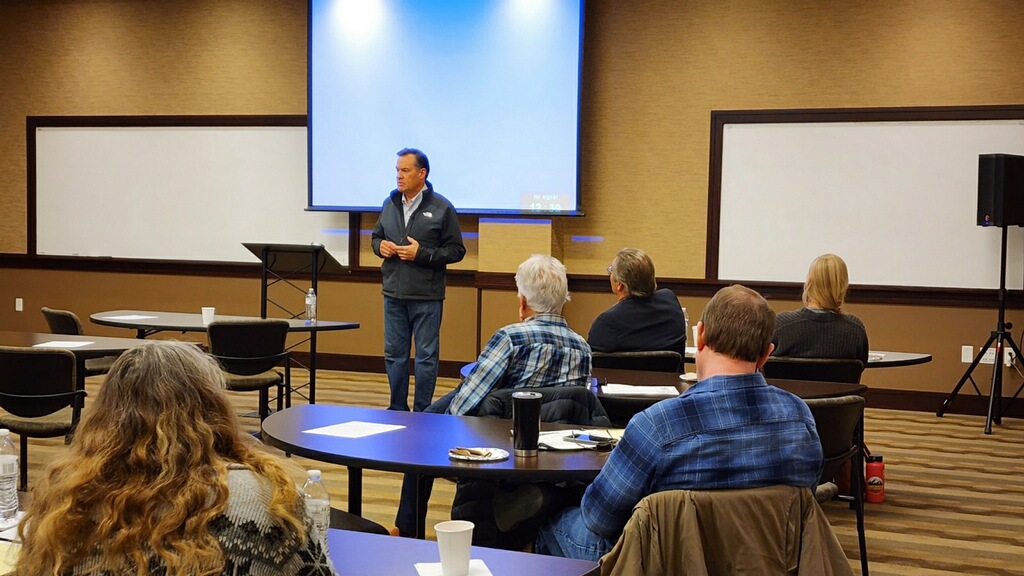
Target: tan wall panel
<point x="505" y="245"/>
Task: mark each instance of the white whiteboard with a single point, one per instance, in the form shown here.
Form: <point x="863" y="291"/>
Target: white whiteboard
<point x="897" y="200"/>
<point x="176" y="193"/>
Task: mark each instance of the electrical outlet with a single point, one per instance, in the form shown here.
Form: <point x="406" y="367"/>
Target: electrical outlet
<point x="967" y="354"/>
<point x="1008" y="357"/>
<point x="989" y="357"/>
<point x="19" y="305"/>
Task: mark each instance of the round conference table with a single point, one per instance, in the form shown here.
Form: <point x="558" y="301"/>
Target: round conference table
<point x="418" y="444"/>
<point x="149" y="322"/>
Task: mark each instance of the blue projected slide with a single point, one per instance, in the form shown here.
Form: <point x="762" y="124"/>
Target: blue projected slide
<point x="488" y="89"/>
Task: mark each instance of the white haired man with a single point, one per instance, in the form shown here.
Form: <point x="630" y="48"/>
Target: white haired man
<point x="538" y="351"/>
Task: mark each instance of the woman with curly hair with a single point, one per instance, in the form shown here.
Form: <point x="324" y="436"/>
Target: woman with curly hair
<point x="160" y="480"/>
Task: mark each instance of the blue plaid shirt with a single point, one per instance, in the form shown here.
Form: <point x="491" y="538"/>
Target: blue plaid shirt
<point x="539" y="351"/>
<point x="724" y="432"/>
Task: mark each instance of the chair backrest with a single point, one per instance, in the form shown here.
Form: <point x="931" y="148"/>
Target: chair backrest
<point x="36" y="382"/>
<point x="62" y="321"/>
<point x="562" y="404"/>
<point x="767" y="530"/>
<point x="815" y="369"/>
<point x="838" y="421"/>
<point x="652" y="361"/>
<point x="247" y="347"/>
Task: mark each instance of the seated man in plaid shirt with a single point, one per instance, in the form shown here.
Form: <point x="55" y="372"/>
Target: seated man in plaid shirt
<point x="538" y="351"/>
<point x="729" y="430"/>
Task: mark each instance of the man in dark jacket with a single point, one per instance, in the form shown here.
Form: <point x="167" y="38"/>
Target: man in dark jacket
<point x="417" y="235"/>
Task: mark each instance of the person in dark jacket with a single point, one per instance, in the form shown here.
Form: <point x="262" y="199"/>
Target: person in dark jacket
<point x="643" y="318"/>
<point x="418" y="236"/>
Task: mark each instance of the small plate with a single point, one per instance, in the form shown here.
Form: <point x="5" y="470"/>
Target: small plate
<point x="492" y="455"/>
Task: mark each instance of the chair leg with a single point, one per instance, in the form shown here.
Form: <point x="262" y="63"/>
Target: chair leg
<point x="23" y="463"/>
<point x="288" y="382"/>
<point x="264" y="403"/>
<point x="857" y="481"/>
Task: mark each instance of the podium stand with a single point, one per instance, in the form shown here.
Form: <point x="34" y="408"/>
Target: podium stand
<point x="284" y="263"/>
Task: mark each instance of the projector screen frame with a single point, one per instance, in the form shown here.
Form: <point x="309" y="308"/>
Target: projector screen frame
<point x="577" y="211"/>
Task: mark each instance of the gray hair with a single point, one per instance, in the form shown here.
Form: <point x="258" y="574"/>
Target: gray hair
<point x="541" y="280"/>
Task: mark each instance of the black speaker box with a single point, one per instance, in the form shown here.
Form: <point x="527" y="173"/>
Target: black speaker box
<point x="1000" y="190"/>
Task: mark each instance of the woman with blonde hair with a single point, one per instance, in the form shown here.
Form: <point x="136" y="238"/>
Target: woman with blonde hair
<point x="160" y="480"/>
<point x="821" y="329"/>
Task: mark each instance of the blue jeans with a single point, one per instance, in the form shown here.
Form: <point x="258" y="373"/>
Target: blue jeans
<point x="405" y="320"/>
<point x="566" y="535"/>
<point x="412" y="506"/>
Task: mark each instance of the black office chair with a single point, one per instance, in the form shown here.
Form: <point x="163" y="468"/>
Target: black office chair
<point x="652" y="361"/>
<point x="248" y="352"/>
<point x="67" y="322"/>
<point x="840" y="424"/>
<point x="37" y="390"/>
<point x="815" y="369"/>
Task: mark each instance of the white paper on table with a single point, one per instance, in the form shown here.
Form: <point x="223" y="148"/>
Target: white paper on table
<point x="354" y="429"/>
<point x="128" y="317"/>
<point x="62" y="344"/>
<point x="876" y="356"/>
<point x="9" y="528"/>
<point x="476" y="568"/>
<point x="630" y="390"/>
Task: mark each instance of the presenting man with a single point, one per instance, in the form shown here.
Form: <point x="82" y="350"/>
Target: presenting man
<point x="729" y="430"/>
<point x="538" y="351"/>
<point x="417" y="235"/>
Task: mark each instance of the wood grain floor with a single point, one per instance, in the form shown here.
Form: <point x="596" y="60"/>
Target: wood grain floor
<point x="953" y="495"/>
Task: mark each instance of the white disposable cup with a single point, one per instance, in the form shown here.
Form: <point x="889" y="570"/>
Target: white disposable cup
<point x="454" y="539"/>
<point x="694" y="343"/>
<point x="208" y="312"/>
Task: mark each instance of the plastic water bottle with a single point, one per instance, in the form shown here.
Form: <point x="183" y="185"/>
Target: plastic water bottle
<point x="311" y="306"/>
<point x="686" y="327"/>
<point x="8" y="476"/>
<point x="318" y="505"/>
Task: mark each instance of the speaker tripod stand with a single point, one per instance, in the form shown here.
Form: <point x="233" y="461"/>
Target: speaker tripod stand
<point x="1000" y="337"/>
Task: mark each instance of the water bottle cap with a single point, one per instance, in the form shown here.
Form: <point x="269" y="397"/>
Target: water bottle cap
<point x="313" y="474"/>
<point x="8" y="464"/>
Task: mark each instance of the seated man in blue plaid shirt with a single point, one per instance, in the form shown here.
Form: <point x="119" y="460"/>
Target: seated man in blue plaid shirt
<point x="540" y="350"/>
<point x="729" y="430"/>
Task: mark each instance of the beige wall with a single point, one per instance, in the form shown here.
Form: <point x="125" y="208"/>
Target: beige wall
<point x="653" y="72"/>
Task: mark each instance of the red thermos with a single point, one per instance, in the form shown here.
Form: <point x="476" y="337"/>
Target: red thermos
<point x="875" y="490"/>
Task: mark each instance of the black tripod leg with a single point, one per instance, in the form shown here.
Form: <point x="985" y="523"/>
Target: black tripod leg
<point x="966" y="376"/>
<point x="995" y="393"/>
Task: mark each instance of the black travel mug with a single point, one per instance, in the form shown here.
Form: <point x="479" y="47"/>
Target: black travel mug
<point x="525" y="422"/>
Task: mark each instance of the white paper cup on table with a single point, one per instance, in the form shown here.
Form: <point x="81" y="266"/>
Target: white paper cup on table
<point x="454" y="539"/>
<point x="208" y="312"/>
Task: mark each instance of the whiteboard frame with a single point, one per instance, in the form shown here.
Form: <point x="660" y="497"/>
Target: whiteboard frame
<point x="718" y="222"/>
<point x="218" y="181"/>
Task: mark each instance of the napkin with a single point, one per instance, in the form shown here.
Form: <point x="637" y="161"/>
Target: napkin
<point x="476" y="568"/>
